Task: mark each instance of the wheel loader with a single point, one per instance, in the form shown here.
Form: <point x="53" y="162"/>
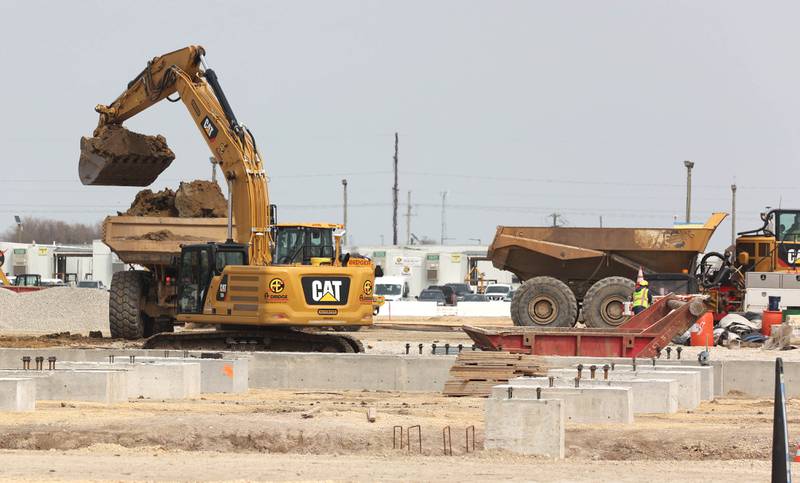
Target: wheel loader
<point x="243" y="288"/>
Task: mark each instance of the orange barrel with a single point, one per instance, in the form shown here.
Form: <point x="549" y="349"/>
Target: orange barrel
<point x="770" y="318"/>
<point x="702" y="332"/>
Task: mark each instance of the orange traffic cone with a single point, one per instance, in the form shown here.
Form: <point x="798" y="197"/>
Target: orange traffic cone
<point x="640" y="275"/>
<point x="796" y="458"/>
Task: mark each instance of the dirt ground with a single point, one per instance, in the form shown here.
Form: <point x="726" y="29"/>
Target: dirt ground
<point x="325" y="435"/>
<point x="312" y="435"/>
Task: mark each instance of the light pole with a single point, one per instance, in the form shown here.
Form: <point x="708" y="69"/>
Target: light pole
<point x="733" y="214"/>
<point x="689" y="165"/>
<point x="213" y="168"/>
<point x="344" y="192"/>
<point x="19" y="228"/>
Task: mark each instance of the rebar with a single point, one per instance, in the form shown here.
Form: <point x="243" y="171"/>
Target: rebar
<point x="592" y="370"/>
<point x="51" y="363"/>
<point x="447" y="441"/>
<point x="538" y="393"/>
<point x="605" y="372"/>
<point x="669" y="352"/>
<point x="26" y="363"/>
<point x="419" y="436"/>
<point x="580" y="370"/>
<point x="394" y="437"/>
<point x="467" y="440"/>
<point x="408" y="348"/>
<point x="39" y="363"/>
<point x="551" y="380"/>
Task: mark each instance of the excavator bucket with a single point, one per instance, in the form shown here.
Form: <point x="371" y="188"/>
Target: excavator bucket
<point x="118" y="157"/>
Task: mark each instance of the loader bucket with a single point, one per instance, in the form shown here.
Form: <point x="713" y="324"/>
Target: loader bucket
<point x="118" y="157"/>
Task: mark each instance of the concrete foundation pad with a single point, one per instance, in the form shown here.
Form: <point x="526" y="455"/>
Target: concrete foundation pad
<point x="17" y="394"/>
<point x="103" y="386"/>
<point x="152" y="380"/>
<point x="688" y="382"/>
<point x="525" y="426"/>
<point x="706" y="375"/>
<point x="656" y="396"/>
<point x="216" y="375"/>
<point x="585" y="405"/>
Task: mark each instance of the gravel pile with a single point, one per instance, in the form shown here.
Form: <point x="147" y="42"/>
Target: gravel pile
<point x="57" y="309"/>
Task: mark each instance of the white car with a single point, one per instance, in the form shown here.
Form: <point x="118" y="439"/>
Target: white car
<point x="391" y="288"/>
<point x="497" y="291"/>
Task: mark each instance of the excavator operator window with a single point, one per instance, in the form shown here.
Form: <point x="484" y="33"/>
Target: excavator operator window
<point x="298" y="244"/>
<point x="194" y="276"/>
<point x="225" y="258"/>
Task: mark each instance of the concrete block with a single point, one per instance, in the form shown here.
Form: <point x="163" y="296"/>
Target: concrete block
<point x="688" y="382"/>
<point x="17" y="394"/>
<point x="687" y="361"/>
<point x="657" y="396"/>
<point x="216" y="375"/>
<point x="152" y="380"/>
<point x="585" y="405"/>
<point x="525" y="426"/>
<point x="292" y="370"/>
<point x="103" y="386"/>
<point x="706" y="375"/>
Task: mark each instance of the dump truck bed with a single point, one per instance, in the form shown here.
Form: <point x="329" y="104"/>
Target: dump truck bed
<point x="595" y="253"/>
<point x="147" y="241"/>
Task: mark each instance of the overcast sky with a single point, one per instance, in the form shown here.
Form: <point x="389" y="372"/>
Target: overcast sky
<point x="516" y="109"/>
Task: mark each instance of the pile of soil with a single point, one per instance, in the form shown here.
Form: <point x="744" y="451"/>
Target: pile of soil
<point x="196" y="199"/>
<point x="115" y="140"/>
<point x="200" y="199"/>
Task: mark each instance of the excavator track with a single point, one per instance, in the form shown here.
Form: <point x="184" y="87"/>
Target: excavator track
<point x="271" y="340"/>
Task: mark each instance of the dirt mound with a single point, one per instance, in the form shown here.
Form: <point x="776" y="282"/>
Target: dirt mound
<point x="196" y="199"/>
<point x="148" y="203"/>
<point x="200" y="199"/>
<point x="163" y="235"/>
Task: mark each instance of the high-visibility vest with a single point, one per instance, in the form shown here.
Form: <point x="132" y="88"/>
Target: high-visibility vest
<point x="640" y="298"/>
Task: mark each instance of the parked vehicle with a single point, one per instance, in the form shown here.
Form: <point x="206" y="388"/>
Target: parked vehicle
<point x="450" y="296"/>
<point x="461" y="290"/>
<point x="509" y="296"/>
<point x="391" y="288"/>
<point x="432" y="295"/>
<point x="475" y="297"/>
<point x="497" y="291"/>
<point x="98" y="284"/>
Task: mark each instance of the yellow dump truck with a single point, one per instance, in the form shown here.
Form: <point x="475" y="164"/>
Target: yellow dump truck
<point x="591" y="271"/>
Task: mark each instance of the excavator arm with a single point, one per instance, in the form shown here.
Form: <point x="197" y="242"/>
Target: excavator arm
<point x="118" y="157"/>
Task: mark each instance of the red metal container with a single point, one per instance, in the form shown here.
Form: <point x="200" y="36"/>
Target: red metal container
<point x="702" y="332"/>
<point x="770" y="318"/>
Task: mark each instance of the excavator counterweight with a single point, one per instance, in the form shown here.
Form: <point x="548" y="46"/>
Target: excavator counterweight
<point x="116" y="156"/>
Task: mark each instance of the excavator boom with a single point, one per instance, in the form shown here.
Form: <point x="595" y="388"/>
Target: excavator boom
<point x="117" y="157"/>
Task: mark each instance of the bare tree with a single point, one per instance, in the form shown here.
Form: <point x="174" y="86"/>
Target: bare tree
<point x="43" y="230"/>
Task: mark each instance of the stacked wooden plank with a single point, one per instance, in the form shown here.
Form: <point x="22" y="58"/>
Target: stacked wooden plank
<point x="475" y="372"/>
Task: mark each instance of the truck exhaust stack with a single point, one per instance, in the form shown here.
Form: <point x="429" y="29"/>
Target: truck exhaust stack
<point x="118" y="157"/>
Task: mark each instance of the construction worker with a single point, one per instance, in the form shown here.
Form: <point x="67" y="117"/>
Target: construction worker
<point x="641" y="297"/>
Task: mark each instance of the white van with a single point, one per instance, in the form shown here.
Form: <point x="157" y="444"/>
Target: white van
<point x="391" y="288"/>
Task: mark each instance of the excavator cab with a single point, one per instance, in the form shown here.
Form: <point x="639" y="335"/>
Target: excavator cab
<point x="773" y="247"/>
<point x="198" y="265"/>
<point x="305" y="244"/>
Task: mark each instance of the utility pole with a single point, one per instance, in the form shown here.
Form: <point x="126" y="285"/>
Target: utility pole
<point x="394" y="191"/>
<point x="344" y="190"/>
<point x="408" y="219"/>
<point x="444" y="216"/>
<point x="689" y="165"/>
<point x="733" y="214"/>
<point x="18" y="220"/>
<point x="213" y="168"/>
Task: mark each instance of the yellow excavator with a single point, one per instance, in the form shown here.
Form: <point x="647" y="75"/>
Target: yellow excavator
<point x="239" y="288"/>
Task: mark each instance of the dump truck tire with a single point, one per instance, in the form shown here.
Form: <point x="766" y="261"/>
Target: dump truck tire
<point x="603" y="304"/>
<point x="124" y="305"/>
<point x="544" y="302"/>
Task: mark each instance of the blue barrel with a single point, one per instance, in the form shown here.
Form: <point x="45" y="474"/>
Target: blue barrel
<point x="774" y="303"/>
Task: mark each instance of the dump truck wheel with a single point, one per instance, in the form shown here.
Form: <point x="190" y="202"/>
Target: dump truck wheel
<point x="125" y="317"/>
<point x="544" y="301"/>
<point x="604" y="302"/>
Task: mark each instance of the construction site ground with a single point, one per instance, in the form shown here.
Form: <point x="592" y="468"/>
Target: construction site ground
<point x="325" y="435"/>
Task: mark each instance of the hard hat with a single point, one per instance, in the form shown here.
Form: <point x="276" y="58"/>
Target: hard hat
<point x="644" y="283"/>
